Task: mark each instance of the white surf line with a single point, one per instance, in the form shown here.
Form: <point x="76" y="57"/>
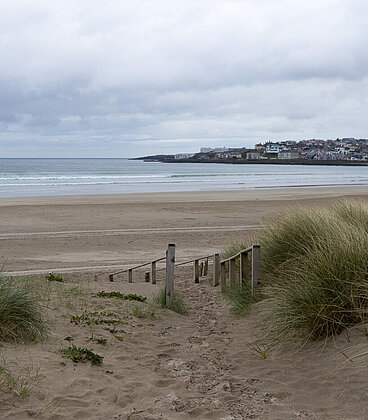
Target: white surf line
<point x="119" y="232"/>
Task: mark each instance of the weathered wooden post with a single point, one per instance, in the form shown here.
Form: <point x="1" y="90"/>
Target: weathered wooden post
<point x="216" y="269"/>
<point x="196" y="271"/>
<point x="111" y="277"/>
<point x="170" y="265"/>
<point x="130" y="276"/>
<point x="256" y="267"/>
<point x="223" y="274"/>
<point x="147" y="276"/>
<point x="232" y="272"/>
<point x="205" y="268"/>
<point x="201" y="269"/>
<point x="153" y="272"/>
<point x="243" y="268"/>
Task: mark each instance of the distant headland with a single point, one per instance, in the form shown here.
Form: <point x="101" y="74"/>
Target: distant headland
<point x="345" y="151"/>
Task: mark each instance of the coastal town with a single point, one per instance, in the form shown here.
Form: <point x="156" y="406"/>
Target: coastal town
<point x="344" y="149"/>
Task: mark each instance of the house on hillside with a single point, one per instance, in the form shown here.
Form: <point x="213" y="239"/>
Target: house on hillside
<point x="253" y="155"/>
<point x="288" y="154"/>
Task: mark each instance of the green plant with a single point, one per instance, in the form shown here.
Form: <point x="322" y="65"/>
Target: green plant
<point x="240" y="298"/>
<point x="140" y="311"/>
<point x="20" y="314"/>
<point x="314" y="271"/>
<point x="54" y="277"/>
<point x="98" y="340"/>
<point x="259" y="349"/>
<point x="95" y="318"/>
<point x="119" y="295"/>
<point x="177" y="303"/>
<point x="324" y="292"/>
<point x="119" y="337"/>
<point x="80" y="354"/>
<point x="20" y="385"/>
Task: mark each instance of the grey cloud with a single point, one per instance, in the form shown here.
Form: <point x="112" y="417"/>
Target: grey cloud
<point x="186" y="73"/>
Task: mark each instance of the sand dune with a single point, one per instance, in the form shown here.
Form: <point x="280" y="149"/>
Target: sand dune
<point x="198" y="366"/>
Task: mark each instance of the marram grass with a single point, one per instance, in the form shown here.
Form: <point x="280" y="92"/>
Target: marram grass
<point x="20" y="314"/>
<point x="315" y="271"/>
<point x="177" y="305"/>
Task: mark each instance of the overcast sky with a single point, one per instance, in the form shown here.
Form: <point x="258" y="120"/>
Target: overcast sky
<point x="116" y="78"/>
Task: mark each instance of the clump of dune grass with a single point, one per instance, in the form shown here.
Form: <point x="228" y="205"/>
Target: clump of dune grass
<point x="20" y="314"/>
<point x="177" y="305"/>
<point x="143" y="311"/>
<point x="241" y="298"/>
<point x="315" y="271"/>
<point x="17" y="384"/>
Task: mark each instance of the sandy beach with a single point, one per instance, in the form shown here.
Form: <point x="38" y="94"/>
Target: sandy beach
<point x="163" y="365"/>
<point x="99" y="232"/>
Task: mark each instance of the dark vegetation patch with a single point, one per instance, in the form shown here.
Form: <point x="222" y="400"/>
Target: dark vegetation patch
<point x="81" y="354"/>
<point x="119" y="295"/>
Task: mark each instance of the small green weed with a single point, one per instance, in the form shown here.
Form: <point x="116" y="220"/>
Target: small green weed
<point x="80" y="354"/>
<point x="18" y="384"/>
<point x="140" y="311"/>
<point x="114" y="330"/>
<point x="119" y="295"/>
<point x="119" y="337"/>
<point x="177" y="305"/>
<point x="54" y="277"/>
<point x="98" y="340"/>
<point x="89" y="318"/>
<point x="259" y="349"/>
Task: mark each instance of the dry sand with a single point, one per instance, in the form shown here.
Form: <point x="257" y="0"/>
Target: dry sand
<point x="199" y="366"/>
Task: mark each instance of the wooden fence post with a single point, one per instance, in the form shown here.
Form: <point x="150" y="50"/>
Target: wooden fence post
<point x="232" y="272"/>
<point x="153" y="272"/>
<point x="196" y="271"/>
<point x="111" y="277"/>
<point x="216" y="262"/>
<point x="130" y="276"/>
<point x="243" y="268"/>
<point x="201" y="269"/>
<point x="223" y="274"/>
<point x="205" y="268"/>
<point x="256" y="267"/>
<point x="147" y="276"/>
<point x="170" y="265"/>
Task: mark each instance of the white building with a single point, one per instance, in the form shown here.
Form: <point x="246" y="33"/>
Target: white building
<point x="214" y="149"/>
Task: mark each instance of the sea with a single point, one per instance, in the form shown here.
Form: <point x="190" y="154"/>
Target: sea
<point x="50" y="177"/>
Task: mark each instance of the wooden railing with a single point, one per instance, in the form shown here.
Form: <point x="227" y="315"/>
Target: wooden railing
<point x="130" y="270"/>
<point x="255" y="252"/>
<point x="200" y="268"/>
<point x="170" y="264"/>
